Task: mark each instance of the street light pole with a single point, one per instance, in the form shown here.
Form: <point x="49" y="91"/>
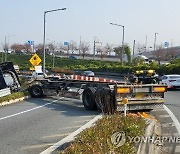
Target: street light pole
<point x="44" y="37"/>
<point x="155" y="41"/>
<point x="122" y="47"/>
<point x="122" y="41"/>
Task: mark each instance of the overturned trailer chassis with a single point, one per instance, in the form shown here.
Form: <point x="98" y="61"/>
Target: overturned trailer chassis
<point x="105" y="96"/>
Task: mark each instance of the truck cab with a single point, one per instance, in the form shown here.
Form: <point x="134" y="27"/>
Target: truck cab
<point x="38" y="73"/>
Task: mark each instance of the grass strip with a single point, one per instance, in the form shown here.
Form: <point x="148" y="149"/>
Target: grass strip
<point x="13" y="96"/>
<point x="98" y="139"/>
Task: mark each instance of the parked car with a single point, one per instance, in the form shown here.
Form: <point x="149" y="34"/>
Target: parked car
<point x="88" y="73"/>
<point x="172" y="81"/>
<point x="72" y="57"/>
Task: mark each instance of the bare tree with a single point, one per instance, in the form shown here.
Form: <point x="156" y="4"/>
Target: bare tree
<point x="39" y="48"/>
<point x="73" y="46"/>
<point x="27" y="47"/>
<point x="172" y="53"/>
<point x="159" y="55"/>
<point x="108" y="49"/>
<point x="17" y="47"/>
<point x="60" y="47"/>
<point x="118" y="52"/>
<point x="85" y="47"/>
<point x="101" y="51"/>
<point x="51" y="48"/>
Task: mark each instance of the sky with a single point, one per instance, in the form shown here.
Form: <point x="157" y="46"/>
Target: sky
<point x="22" y="20"/>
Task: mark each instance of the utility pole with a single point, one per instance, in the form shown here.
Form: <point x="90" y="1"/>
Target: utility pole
<point x="2" y="57"/>
<point x="146" y="44"/>
<point x="5" y="50"/>
<point x="134" y="47"/>
<point x="155" y="41"/>
<point x="54" y="54"/>
<point x="94" y="48"/>
<point x="80" y="46"/>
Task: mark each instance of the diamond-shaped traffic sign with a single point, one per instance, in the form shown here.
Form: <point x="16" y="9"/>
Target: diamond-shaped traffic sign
<point x="35" y="60"/>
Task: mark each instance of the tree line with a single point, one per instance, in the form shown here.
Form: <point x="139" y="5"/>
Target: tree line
<point x="83" y="49"/>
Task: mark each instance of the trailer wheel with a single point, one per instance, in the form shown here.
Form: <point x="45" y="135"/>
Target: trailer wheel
<point x="105" y="100"/>
<point x="36" y="91"/>
<point x="88" y="98"/>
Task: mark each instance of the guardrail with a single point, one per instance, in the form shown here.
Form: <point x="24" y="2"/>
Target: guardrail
<point x="4" y="92"/>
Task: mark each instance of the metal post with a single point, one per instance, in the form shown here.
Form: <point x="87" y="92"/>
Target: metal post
<point x="80" y="46"/>
<point x="94" y="49"/>
<point x="122" y="47"/>
<point x="44" y="43"/>
<point x="155" y="41"/>
<point x="134" y="47"/>
<point x="44" y="38"/>
<point x="2" y="57"/>
<point x="54" y="55"/>
<point x="5" y="50"/>
<point x="146" y="44"/>
<point x="122" y="42"/>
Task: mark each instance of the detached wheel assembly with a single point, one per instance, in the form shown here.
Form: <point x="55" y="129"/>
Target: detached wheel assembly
<point x="105" y="100"/>
<point x="88" y="98"/>
<point x="36" y="91"/>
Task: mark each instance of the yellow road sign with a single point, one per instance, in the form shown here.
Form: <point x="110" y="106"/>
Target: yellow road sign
<point x="35" y="60"/>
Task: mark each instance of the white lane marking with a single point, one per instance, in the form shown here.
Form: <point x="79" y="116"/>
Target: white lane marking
<point x="173" y="117"/>
<point x="71" y="137"/>
<point x="55" y="136"/>
<point x="29" y="147"/>
<point x="13" y="115"/>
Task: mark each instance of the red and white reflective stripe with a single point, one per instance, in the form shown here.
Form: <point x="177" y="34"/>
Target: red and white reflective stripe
<point x="90" y="78"/>
<point x="169" y="87"/>
<point x="96" y="79"/>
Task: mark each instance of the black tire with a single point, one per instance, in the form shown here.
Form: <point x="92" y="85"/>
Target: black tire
<point x="100" y="100"/>
<point x="36" y="91"/>
<point x="88" y="98"/>
<point x="105" y="100"/>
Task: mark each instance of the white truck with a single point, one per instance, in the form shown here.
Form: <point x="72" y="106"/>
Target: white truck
<point x="9" y="80"/>
<point x="38" y="73"/>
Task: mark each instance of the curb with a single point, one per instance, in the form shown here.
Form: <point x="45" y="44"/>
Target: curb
<point x="152" y="130"/>
<point x="14" y="101"/>
<point x="71" y="137"/>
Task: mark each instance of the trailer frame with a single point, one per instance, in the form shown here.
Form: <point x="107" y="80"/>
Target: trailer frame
<point x="102" y="95"/>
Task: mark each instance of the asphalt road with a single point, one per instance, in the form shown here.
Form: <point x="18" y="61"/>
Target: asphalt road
<point x="169" y="119"/>
<point x="172" y="99"/>
<point x="34" y="125"/>
<point x="31" y="126"/>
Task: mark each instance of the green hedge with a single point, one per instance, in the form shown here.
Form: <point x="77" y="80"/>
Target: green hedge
<point x="100" y="66"/>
